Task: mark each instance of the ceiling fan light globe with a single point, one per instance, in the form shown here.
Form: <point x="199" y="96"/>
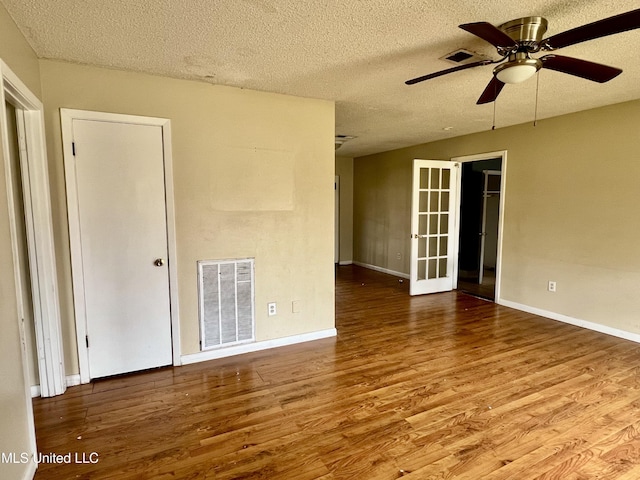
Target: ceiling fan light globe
<point x="516" y="73"/>
<point x="519" y="68"/>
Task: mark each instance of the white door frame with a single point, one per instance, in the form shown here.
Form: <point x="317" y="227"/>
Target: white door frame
<point x="40" y="246"/>
<point x="483" y="229"/>
<point x="502" y="154"/>
<point x="336" y="220"/>
<point x="67" y="116"/>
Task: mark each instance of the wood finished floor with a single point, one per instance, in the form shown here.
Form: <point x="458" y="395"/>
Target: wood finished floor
<point x="435" y="387"/>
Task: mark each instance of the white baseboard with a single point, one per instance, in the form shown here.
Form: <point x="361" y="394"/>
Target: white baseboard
<point x="383" y="270"/>
<point x="256" y="346"/>
<point x="597" y="327"/>
<point x="71" y="380"/>
<point x="345" y="262"/>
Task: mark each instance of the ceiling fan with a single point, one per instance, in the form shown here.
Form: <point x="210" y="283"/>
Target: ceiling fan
<point x="516" y="40"/>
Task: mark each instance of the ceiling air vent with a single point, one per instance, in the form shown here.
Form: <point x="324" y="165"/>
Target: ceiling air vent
<point x="463" y="56"/>
<point x="340" y="139"/>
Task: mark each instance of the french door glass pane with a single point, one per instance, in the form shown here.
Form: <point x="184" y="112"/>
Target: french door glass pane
<point x="422" y="247"/>
<point x="444" y="246"/>
<point x="423" y="206"/>
<point x="433" y="224"/>
<point x="444" y="202"/>
<point x="422" y="225"/>
<point x="433" y="268"/>
<point x="434" y="204"/>
<point x="444" y="223"/>
<point x="442" y="270"/>
<point x="422" y="269"/>
<point x="433" y="246"/>
<point x="424" y="178"/>
<point x="446" y="179"/>
<point x="435" y="178"/>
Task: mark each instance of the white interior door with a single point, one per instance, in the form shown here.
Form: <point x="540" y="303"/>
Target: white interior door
<point x="433" y="226"/>
<point x="119" y="176"/>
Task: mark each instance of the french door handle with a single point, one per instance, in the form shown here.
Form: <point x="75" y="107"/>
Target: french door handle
<point x="419" y="236"/>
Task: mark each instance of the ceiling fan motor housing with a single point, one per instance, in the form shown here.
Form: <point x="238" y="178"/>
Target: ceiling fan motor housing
<point x="527" y="32"/>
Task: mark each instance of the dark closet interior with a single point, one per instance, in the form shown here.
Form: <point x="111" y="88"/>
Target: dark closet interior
<point x="477" y="262"/>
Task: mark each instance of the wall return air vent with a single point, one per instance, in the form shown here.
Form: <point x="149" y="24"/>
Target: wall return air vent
<point x="226" y="302"/>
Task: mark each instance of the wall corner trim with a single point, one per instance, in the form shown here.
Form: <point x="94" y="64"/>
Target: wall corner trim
<point x="256" y="346"/>
<point x="596" y="327"/>
<point x="31" y="471"/>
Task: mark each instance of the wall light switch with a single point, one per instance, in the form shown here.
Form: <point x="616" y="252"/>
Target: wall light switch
<point x="295" y="306"/>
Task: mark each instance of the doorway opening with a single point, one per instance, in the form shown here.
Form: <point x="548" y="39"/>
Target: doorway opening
<point x="480" y="219"/>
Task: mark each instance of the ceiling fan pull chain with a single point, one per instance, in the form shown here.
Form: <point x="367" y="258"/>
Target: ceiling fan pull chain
<point x="535" y="113"/>
<point x="493" y="127"/>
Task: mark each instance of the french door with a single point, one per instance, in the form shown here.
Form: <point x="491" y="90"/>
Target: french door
<point x="433" y="226"/>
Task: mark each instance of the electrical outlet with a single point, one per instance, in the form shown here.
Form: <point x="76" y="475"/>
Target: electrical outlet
<point x="552" y="286"/>
<point x="271" y="307"/>
<point x="399" y="256"/>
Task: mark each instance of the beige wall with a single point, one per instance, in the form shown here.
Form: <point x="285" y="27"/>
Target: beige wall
<point x="272" y="154"/>
<point x="344" y="170"/>
<point x="571" y="211"/>
<point x="15" y="429"/>
<point x="16" y="52"/>
<point x="382" y="211"/>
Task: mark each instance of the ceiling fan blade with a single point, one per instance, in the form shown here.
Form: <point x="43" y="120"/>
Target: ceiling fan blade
<point x="491" y="92"/>
<point x="601" y="28"/>
<point x="490" y="33"/>
<point x="449" y="70"/>
<point x="595" y="72"/>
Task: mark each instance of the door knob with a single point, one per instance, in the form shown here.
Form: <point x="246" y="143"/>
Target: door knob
<point x="158" y="262"/>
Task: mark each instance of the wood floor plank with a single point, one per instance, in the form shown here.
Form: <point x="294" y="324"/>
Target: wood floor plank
<point x="444" y="386"/>
<point x="566" y="439"/>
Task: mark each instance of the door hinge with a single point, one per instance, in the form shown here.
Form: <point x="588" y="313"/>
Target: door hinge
<point x="87" y="340"/>
<point x="73" y="148"/>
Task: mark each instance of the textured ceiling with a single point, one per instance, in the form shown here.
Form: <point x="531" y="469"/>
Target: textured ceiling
<point x="355" y="52"/>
